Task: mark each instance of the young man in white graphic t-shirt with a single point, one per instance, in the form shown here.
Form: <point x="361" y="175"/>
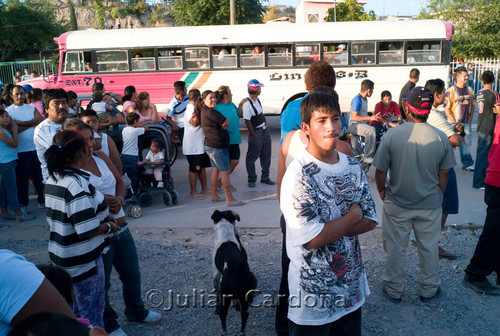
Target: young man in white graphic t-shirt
<point x="326" y="202"/>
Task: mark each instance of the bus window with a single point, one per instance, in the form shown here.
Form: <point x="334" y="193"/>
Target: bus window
<point x="252" y="56"/>
<point x="224" y="57"/>
<point x="390" y="52"/>
<point x="363" y="53"/>
<point x="169" y="59"/>
<point x="423" y="52"/>
<point x="74" y="62"/>
<point x="280" y="56"/>
<point x="335" y="53"/>
<point x="143" y="60"/>
<point x="306" y="54"/>
<point x="112" y="60"/>
<point x="197" y="58"/>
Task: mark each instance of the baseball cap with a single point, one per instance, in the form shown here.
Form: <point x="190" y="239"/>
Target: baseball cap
<point x="343" y="46"/>
<point x="419" y="100"/>
<point x="27" y="88"/>
<point x="253" y="84"/>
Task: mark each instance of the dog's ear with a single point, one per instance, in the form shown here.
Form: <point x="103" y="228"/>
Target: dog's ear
<point x="236" y="216"/>
<point x="216" y="216"/>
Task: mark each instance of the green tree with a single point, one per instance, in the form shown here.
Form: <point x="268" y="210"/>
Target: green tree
<point x="477" y="30"/>
<point x="100" y="14"/>
<point x="27" y="26"/>
<point x="72" y="16"/>
<point x="349" y="11"/>
<point x="212" y="12"/>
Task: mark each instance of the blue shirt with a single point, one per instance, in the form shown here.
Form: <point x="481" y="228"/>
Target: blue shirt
<point x="230" y="112"/>
<point x="360" y="105"/>
<point x="290" y="118"/>
<point x="7" y="153"/>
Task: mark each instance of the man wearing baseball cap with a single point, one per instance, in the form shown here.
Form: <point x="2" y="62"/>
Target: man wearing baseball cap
<point x="419" y="157"/>
<point x="259" y="139"/>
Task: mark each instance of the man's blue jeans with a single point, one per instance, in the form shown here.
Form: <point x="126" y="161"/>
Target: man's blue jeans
<point x="465" y="155"/>
<point x="484" y="142"/>
<point x="122" y="255"/>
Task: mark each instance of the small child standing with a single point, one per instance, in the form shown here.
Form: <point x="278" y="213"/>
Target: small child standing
<point x="155" y="156"/>
<point x="130" y="151"/>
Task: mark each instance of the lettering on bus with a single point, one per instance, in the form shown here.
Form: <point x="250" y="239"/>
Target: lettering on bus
<point x="87" y="81"/>
<point x="285" y="76"/>
<point x="356" y="74"/>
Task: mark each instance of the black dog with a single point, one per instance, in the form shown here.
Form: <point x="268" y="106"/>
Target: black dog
<point x="233" y="279"/>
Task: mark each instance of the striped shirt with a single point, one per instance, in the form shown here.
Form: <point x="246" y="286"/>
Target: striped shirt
<point x="74" y="210"/>
<point x="437" y="118"/>
<point x="43" y="136"/>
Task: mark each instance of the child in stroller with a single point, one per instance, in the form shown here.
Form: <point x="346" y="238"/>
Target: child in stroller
<point x="156" y="158"/>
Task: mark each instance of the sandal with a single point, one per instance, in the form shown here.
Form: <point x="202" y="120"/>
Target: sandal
<point x="197" y="196"/>
<point x="235" y="203"/>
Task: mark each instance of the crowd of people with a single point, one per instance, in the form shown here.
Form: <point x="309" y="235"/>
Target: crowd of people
<point x="76" y="158"/>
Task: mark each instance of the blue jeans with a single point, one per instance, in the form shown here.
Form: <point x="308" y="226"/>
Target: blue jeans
<point x="8" y="188"/>
<point x="465" y="155"/>
<point x="484" y="142"/>
<point x="88" y="297"/>
<point x="28" y="167"/>
<point x="129" y="163"/>
<point x="123" y="255"/>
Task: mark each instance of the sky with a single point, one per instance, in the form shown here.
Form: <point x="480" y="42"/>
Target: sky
<point x="381" y="7"/>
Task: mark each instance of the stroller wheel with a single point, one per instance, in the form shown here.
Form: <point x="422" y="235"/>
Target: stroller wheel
<point x="167" y="199"/>
<point x="145" y="199"/>
<point x="134" y="211"/>
<point x="175" y="197"/>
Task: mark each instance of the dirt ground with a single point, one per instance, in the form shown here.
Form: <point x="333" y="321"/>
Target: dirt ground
<point x="176" y="268"/>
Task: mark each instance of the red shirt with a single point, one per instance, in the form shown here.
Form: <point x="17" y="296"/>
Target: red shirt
<point x="493" y="171"/>
<point x="386" y="113"/>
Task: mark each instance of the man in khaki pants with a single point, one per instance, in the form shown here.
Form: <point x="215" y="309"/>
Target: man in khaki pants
<point x="418" y="157"/>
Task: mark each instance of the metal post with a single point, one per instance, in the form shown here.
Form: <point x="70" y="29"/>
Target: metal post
<point x="232" y="11"/>
<point x="335" y="10"/>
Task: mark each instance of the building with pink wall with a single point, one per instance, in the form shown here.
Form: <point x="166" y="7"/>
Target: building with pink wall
<point x="313" y="11"/>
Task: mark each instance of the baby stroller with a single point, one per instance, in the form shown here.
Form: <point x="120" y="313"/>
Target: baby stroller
<point x="147" y="181"/>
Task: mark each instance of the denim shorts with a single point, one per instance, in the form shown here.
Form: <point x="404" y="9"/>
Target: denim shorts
<point x="219" y="158"/>
<point x="450" y="194"/>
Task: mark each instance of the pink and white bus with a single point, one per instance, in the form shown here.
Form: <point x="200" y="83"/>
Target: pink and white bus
<point x="276" y="54"/>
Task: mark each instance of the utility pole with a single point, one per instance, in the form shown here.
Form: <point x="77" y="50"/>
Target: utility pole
<point x="232" y="11"/>
<point x="335" y="10"/>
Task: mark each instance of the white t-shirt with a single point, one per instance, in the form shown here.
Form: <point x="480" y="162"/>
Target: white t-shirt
<point x="44" y="133"/>
<point x="130" y="136"/>
<point x="176" y="110"/>
<point x="19" y="280"/>
<point x="155" y="157"/>
<point x="24" y="112"/>
<point x="248" y="111"/>
<point x="194" y="138"/>
<point x="329" y="282"/>
<point x="99" y="107"/>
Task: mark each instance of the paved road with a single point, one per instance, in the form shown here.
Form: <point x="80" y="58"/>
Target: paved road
<point x="262" y="208"/>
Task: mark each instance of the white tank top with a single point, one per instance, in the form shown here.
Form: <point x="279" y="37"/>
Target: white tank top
<point x="295" y="147"/>
<point x="106" y="184"/>
<point x="104" y="143"/>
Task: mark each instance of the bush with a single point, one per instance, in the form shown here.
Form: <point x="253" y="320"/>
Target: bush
<point x="120" y="12"/>
<point x="140" y="8"/>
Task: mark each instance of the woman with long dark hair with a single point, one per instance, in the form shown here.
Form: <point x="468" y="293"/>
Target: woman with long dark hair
<point x="78" y="218"/>
<point x="147" y="111"/>
<point x="129" y="97"/>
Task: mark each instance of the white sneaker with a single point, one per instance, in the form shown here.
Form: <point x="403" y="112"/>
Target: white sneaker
<point x="152" y="317"/>
<point x="160" y="185"/>
<point x="118" y="332"/>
